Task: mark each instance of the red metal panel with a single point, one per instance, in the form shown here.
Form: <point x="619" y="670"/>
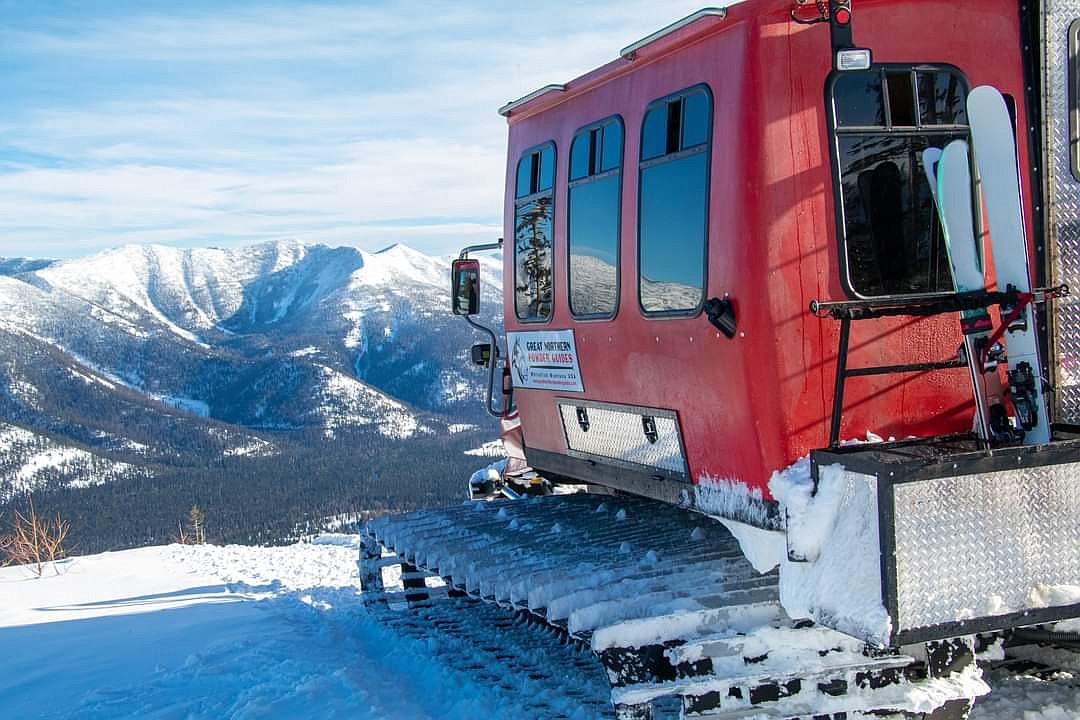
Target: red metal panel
<point x="757" y="402"/>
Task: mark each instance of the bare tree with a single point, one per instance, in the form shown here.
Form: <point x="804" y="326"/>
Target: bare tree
<point x="197" y="525"/>
<point x="35" y="541"/>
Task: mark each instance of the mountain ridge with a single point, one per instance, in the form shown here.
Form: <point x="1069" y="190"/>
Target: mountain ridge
<point x="162" y="360"/>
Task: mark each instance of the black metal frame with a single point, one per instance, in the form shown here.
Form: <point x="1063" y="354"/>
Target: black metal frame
<point x="898" y="463"/>
<point x="913" y="306"/>
<point x="834" y="153"/>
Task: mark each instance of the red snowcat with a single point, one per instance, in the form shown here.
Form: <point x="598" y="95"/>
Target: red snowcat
<point x="740" y="408"/>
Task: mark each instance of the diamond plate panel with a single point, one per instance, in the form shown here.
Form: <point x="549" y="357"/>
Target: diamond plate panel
<point x="986" y="545"/>
<point x="1063" y="218"/>
<point x="617" y="433"/>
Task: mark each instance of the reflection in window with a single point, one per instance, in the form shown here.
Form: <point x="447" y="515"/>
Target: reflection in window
<point x="533" y="210"/>
<point x="892" y="237"/>
<point x="673" y="202"/>
<point x="593" y="223"/>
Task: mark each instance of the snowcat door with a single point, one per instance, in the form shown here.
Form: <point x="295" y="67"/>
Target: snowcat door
<point x="1059" y="26"/>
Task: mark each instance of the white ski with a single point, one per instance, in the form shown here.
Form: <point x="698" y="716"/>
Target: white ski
<point x="999" y="177"/>
<point x="949" y="176"/>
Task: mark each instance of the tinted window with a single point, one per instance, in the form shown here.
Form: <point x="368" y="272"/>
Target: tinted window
<point x="672" y="210"/>
<point x="593" y="223"/>
<point x="612" y="148"/>
<point x="533" y="216"/>
<point x="546" y="174"/>
<point x="654" y="133"/>
<point x="941" y="99"/>
<point x="695" y="120"/>
<point x="580" y="156"/>
<point x="893" y="242"/>
<point x="901" y="99"/>
<point x="858" y="100"/>
<point x="524" y="176"/>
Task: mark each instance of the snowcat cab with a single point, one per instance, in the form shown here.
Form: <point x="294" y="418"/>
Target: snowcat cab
<point x="728" y="254"/>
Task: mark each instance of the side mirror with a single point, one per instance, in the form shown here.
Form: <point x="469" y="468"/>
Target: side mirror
<point x="465" y="287"/>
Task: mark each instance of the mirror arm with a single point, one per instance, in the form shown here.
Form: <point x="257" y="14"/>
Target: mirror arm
<point x="497" y="245"/>
<point x="496" y="353"/>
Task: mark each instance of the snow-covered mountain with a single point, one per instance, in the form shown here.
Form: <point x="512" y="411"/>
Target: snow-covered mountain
<point x="150" y="355"/>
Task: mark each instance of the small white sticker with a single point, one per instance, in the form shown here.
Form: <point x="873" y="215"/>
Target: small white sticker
<point x="545" y="360"/>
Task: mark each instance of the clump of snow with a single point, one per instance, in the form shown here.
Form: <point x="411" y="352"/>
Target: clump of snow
<point x="1044" y="596"/>
<point x="489" y="474"/>
<point x="489" y="449"/>
<point x="732" y="499"/>
<point x="836" y="531"/>
<point x="765" y="549"/>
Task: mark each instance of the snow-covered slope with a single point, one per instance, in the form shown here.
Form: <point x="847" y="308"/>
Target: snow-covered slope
<point x="206" y="632"/>
<point x="29" y="461"/>
<point x="16" y="266"/>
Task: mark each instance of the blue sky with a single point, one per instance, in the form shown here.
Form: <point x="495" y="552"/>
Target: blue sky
<point x="193" y="123"/>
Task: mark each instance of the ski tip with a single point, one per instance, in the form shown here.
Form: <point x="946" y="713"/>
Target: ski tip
<point x="956" y="147"/>
<point x="985" y="95"/>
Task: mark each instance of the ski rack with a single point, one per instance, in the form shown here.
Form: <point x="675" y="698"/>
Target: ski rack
<point x="913" y="306"/>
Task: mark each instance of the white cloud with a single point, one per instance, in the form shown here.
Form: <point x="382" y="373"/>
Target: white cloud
<point x="319" y="122"/>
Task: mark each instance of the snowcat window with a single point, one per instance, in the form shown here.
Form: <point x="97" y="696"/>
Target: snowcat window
<point x="533" y="212"/>
<point x="673" y="202"/>
<point x="593" y="219"/>
<point x="892" y="243"/>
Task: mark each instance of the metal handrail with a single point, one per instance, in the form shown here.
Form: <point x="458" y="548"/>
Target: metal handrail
<point x="515" y="104"/>
<point x="628" y="52"/>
